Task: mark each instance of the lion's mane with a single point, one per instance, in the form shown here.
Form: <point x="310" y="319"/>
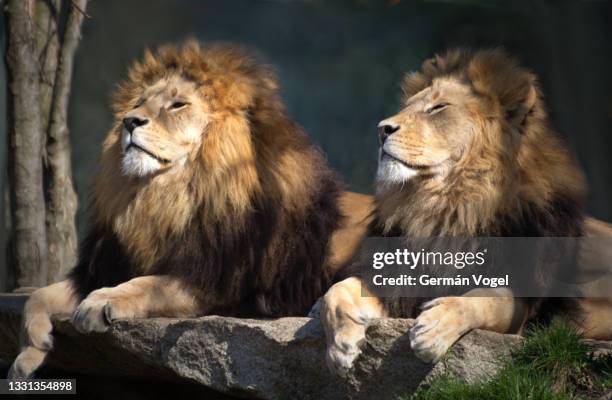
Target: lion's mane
<point x="504" y="188"/>
<point x="532" y="188"/>
<point x="251" y="235"/>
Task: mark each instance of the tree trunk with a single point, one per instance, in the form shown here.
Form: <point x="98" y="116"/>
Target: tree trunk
<point x="62" y="199"/>
<point x="47" y="45"/>
<point x="26" y="140"/>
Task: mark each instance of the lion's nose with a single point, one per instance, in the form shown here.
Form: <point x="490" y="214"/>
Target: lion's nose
<point x="132" y="123"/>
<point x="386" y="129"/>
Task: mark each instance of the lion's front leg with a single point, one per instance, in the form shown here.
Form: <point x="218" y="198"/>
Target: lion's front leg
<point x="36" y="337"/>
<point x="142" y="297"/>
<point x="445" y="319"/>
<point x="344" y="315"/>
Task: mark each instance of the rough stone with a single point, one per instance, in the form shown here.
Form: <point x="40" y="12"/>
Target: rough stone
<point x="270" y="359"/>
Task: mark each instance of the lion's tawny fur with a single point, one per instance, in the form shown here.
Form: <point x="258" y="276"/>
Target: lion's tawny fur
<point x="257" y="197"/>
<point x="503" y="178"/>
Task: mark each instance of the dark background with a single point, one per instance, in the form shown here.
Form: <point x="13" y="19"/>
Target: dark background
<point x="340" y="63"/>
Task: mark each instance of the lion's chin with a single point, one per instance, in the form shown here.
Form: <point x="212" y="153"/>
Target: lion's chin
<point x="392" y="171"/>
<point x="138" y="163"/>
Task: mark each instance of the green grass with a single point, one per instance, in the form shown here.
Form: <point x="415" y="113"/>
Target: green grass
<point x="551" y="364"/>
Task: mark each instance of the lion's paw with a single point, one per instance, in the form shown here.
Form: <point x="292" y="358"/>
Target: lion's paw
<point x="97" y="312"/>
<point x="90" y="316"/>
<point x="344" y="350"/>
<point x="26" y="363"/>
<point x="438" y="327"/>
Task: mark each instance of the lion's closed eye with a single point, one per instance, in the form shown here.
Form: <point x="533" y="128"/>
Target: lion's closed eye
<point x="436" y="107"/>
<point x="138" y="104"/>
<point x="177" y="105"/>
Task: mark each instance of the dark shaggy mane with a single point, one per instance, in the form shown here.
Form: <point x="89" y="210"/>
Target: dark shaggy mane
<point x="275" y="266"/>
<point x="563" y="218"/>
<point x="102" y="263"/>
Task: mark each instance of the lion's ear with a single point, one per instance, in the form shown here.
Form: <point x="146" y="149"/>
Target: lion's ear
<point x="519" y="110"/>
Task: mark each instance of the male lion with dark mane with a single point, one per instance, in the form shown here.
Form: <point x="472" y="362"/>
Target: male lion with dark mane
<point x="208" y="199"/>
<point x="470" y="155"/>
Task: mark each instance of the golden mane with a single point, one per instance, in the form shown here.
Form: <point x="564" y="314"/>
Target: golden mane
<point x="258" y="196"/>
<point x="506" y="179"/>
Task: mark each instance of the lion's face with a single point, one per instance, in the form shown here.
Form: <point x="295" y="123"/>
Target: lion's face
<point x="164" y="128"/>
<point x="471" y="143"/>
<point x="431" y="134"/>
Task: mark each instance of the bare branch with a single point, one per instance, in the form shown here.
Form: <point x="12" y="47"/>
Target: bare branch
<point x="47" y="44"/>
<point x="26" y="145"/>
<point x="76" y="4"/>
<point x="62" y="203"/>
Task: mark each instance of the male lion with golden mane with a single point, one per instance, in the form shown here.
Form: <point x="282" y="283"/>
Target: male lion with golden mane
<point x="208" y="199"/>
<point x="471" y="154"/>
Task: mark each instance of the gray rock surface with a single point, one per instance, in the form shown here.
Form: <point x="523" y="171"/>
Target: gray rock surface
<point x="270" y="359"/>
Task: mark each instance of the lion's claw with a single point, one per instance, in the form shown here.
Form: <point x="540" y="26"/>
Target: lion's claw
<point x="437" y="328"/>
<point x="92" y="316"/>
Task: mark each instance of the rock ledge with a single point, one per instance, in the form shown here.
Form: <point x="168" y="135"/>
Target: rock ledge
<point x="268" y="359"/>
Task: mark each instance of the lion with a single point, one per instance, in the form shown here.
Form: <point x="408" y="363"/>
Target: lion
<point x="208" y="200"/>
<point x="471" y="154"/>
